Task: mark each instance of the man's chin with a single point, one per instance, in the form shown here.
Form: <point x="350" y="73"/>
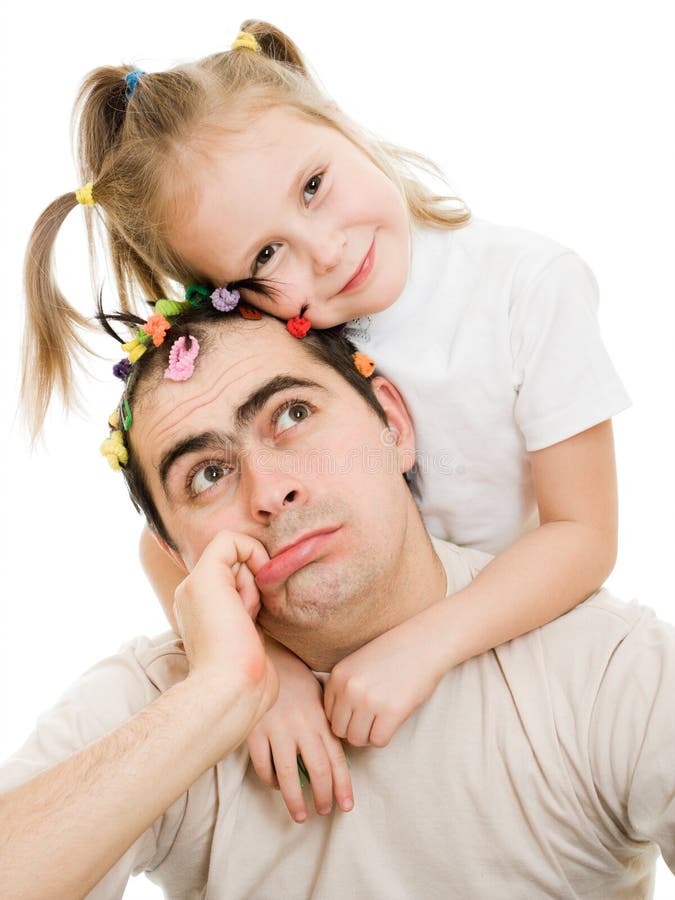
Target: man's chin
<point x="308" y="596"/>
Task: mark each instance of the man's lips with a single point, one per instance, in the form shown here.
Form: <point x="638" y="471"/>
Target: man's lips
<point x="362" y="272"/>
<point x="292" y="557"/>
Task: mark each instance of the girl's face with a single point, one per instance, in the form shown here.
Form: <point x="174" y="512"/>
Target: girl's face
<point x="296" y="203"/>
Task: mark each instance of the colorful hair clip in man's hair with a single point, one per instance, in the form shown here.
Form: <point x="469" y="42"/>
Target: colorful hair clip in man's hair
<point x="182" y="359"/>
<point x="298" y="326"/>
<point x="364" y="364"/>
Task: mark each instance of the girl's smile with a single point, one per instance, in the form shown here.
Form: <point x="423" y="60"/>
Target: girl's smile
<point x="297" y="205"/>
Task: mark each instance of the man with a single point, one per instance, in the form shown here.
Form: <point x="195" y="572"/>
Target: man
<point x="543" y="768"/>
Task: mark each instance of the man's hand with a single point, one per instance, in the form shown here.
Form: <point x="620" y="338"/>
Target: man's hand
<point x="116" y="787"/>
<point x="215" y="608"/>
<point x="297" y="726"/>
<point x="373" y="691"/>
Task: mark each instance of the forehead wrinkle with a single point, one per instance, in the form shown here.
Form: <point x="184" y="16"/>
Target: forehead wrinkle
<point x="200" y="400"/>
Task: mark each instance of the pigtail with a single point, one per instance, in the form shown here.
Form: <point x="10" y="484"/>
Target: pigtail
<point x="99" y="114"/>
<point x="275" y="45"/>
<point x="52" y="338"/>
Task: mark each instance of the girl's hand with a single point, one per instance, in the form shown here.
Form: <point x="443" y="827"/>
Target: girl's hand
<point x="371" y="692"/>
<point x="297" y="726"/>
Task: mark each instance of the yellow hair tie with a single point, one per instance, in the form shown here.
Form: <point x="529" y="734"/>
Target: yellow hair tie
<point x="85" y="195"/>
<point x="247" y="41"/>
<point x="135" y="349"/>
<point x="114" y="450"/>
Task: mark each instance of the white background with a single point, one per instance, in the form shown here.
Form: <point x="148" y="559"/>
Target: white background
<point x="557" y="117"/>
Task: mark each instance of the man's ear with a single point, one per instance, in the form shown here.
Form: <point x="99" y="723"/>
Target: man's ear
<point x="401" y="430"/>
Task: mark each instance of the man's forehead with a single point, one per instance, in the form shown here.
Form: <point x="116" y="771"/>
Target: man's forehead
<point x="236" y="362"/>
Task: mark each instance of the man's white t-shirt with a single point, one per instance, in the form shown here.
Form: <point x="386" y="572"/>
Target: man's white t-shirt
<point x="495" y="346"/>
<point x="543" y="768"/>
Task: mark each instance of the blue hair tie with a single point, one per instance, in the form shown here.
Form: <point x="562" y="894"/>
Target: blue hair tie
<point x="131" y="79"/>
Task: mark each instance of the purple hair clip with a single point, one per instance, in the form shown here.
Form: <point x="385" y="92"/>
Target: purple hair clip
<point x="224" y="300"/>
<point x="122" y="369"/>
<point x="181" y="359"/>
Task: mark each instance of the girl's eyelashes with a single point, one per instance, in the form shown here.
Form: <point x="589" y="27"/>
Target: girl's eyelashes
<point x="205" y="475"/>
<point x="264" y="256"/>
<point x="312" y="187"/>
<point x="290" y="414"/>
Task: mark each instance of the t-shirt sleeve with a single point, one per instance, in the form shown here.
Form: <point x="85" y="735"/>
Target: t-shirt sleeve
<point x="632" y="736"/>
<point x="563" y="376"/>
<point x="101" y="700"/>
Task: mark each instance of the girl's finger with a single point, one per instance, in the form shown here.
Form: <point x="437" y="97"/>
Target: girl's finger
<point x="342" y="780"/>
<point x="285" y="756"/>
<point x="340" y="718"/>
<point x="317" y="762"/>
<point x="261" y="757"/>
<point x="358" y="732"/>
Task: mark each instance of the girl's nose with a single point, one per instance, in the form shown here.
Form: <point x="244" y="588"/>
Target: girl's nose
<point x="326" y="251"/>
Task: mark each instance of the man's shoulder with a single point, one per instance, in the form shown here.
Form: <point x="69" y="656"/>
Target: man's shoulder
<point x="161" y="658"/>
<point x="461" y="564"/>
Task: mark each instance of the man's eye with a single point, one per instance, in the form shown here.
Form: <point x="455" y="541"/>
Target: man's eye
<point x="311" y="188"/>
<point x="207" y="476"/>
<point x="291" y="415"/>
<point x="265" y="256"/>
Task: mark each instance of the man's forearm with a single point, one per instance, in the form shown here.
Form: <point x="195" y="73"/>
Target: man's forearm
<point x="63" y="830"/>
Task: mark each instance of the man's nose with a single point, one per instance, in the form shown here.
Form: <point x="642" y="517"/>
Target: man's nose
<point x="272" y="485"/>
<point x="326" y="249"/>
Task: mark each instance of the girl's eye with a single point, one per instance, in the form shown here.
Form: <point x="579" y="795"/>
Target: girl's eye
<point x="265" y="256"/>
<point x="205" y="477"/>
<point x="291" y="415"/>
<point x="311" y="188"/>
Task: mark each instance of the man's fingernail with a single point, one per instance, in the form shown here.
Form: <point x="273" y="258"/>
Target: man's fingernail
<point x="347" y="804"/>
<point x="300" y="816"/>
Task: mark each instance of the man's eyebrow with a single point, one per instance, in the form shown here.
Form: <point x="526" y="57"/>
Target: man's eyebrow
<point x="207" y="439"/>
<point x="243" y="414"/>
<point x="255" y="401"/>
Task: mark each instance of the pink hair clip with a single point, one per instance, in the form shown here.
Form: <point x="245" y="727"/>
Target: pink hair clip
<point x="181" y="359"/>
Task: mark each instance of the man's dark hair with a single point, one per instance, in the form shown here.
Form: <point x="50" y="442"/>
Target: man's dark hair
<point x="327" y="347"/>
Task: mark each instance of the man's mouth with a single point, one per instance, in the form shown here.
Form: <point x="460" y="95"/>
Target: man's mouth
<point x="363" y="271"/>
<point x="293" y="556"/>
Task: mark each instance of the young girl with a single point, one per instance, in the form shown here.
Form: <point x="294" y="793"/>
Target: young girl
<point x="237" y="171"/>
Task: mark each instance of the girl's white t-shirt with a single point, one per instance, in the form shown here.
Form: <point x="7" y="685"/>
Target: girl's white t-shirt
<point x="496" y="348"/>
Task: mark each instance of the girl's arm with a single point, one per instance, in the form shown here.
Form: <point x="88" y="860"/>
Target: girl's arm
<point x="545" y="573"/>
<point x="295" y="726"/>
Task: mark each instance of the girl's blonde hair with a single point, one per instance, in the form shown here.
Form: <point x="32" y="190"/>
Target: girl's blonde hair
<point x="137" y="151"/>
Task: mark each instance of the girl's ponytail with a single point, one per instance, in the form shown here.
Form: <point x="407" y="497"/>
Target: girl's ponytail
<point x="100" y="110"/>
<point x="52" y="336"/>
<point x="276" y="45"/>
